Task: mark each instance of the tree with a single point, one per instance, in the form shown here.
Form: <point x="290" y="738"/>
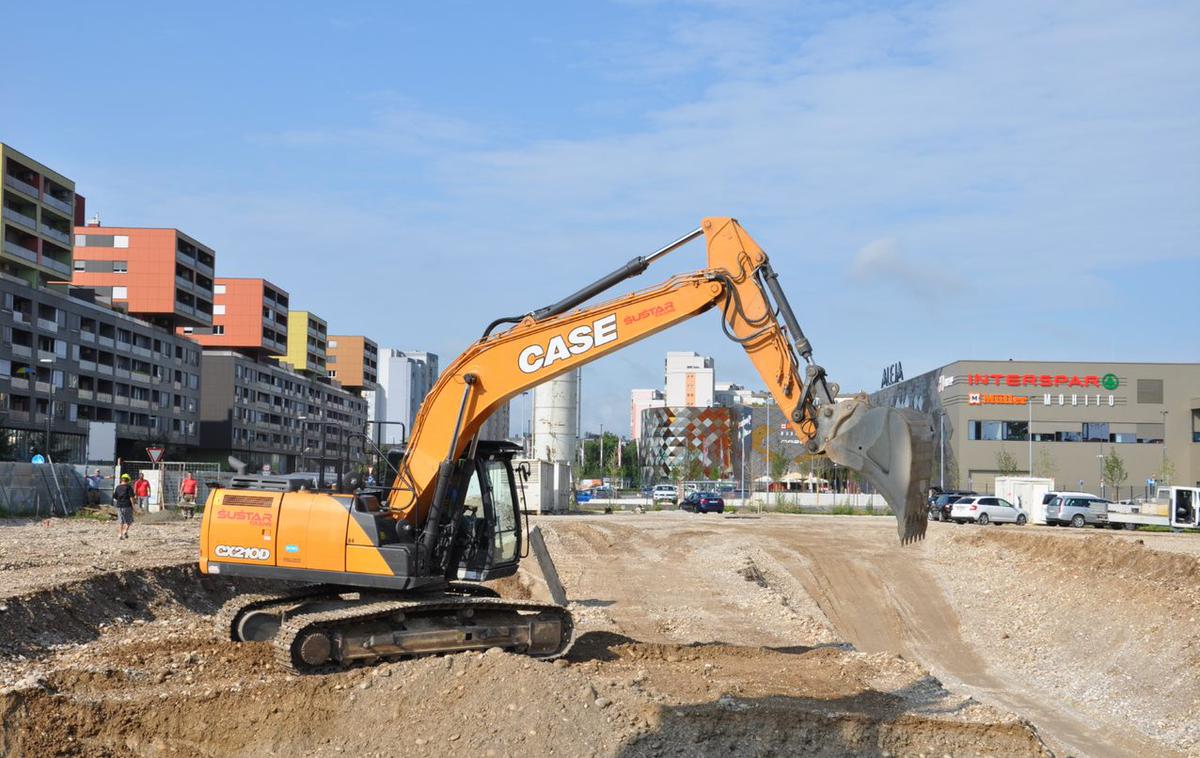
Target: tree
<point x="1045" y="465"/>
<point x="1165" y="473"/>
<point x="781" y="463"/>
<point x="1114" y="471"/>
<point x="693" y="467"/>
<point x="1006" y="464"/>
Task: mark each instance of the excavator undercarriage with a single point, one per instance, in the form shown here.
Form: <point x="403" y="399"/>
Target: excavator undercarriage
<point x="325" y="629"/>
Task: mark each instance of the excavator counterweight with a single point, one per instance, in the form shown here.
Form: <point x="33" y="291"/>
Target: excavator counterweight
<point x="397" y="567"/>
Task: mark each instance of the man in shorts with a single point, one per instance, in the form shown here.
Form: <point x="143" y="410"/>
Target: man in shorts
<point x="187" y="495"/>
<point x="122" y="498"/>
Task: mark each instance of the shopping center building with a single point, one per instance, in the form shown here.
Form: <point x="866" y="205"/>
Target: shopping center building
<point x="1059" y="420"/>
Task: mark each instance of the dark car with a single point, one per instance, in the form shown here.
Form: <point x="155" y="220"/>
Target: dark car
<point x="939" y="504"/>
<point x="703" y="502"/>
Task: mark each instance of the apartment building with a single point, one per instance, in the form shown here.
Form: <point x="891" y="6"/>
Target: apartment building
<point x="640" y="400"/>
<point x="39" y="209"/>
<point x="68" y="361"/>
<point x="405" y="378"/>
<point x="161" y="276"/>
<point x="249" y="315"/>
<point x="307" y="339"/>
<point x="268" y="414"/>
<point x="353" y="361"/>
<point x="689" y="381"/>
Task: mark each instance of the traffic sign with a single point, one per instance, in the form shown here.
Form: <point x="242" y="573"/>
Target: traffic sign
<point x="155" y="453"/>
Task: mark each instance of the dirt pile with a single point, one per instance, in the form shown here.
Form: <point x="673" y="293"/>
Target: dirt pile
<point x="1104" y="623"/>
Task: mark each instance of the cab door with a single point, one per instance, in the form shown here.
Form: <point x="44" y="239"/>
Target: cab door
<point x="490" y="536"/>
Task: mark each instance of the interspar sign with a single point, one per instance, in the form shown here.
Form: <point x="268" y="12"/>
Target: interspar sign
<point x="1109" y="381"/>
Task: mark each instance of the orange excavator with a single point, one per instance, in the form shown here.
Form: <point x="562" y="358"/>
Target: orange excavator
<point x="396" y="571"/>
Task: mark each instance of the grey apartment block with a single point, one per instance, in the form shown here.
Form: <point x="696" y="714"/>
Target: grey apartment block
<point x="1060" y="417"/>
<point x="96" y="365"/>
<point x="266" y="414"/>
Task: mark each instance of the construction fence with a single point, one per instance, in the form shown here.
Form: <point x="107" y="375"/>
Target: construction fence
<point x="165" y="479"/>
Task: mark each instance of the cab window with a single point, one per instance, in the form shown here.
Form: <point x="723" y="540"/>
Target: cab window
<point x="500" y="485"/>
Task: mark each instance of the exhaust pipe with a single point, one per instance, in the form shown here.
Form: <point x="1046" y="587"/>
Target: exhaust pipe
<point x="893" y="450"/>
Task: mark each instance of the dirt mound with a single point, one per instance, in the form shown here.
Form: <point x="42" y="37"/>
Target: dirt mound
<point x="1102" y="623"/>
<point x="78" y="611"/>
<point x="1094" y="552"/>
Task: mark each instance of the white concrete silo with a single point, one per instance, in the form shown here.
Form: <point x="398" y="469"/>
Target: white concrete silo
<point x="556" y="418"/>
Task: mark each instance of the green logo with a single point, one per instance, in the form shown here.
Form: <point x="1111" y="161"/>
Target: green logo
<point x="1110" y="382"/>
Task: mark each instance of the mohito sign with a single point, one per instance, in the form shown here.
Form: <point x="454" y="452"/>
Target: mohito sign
<point x="978" y="398"/>
<point x="1109" y="381"/>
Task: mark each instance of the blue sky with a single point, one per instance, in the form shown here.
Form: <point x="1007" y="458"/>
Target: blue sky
<point x="933" y="181"/>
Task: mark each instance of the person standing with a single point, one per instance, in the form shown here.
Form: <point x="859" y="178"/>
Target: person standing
<point x="123" y="497"/>
<point x="141" y="488"/>
<point x="93" y="484"/>
<point x="187" y="495"/>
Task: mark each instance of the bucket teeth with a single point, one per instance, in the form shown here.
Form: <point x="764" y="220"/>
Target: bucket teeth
<point x="892" y="448"/>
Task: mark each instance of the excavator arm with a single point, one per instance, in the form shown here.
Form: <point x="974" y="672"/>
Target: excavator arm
<point x="891" y="448"/>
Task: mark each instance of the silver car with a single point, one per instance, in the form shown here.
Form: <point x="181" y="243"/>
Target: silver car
<point x="1077" y="509"/>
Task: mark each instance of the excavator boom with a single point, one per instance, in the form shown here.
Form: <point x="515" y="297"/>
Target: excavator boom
<point x="891" y="449"/>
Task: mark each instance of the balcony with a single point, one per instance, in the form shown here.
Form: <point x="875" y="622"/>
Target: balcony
<point x="17" y="217"/>
<point x="48" y="325"/>
<point x="142" y="351"/>
<point x="20" y="251"/>
<point x="57" y="204"/>
<point x="104" y="369"/>
<point x="121" y="399"/>
<point x="22" y="350"/>
<point x="26" y="187"/>
<point x="19" y="383"/>
<point x="87" y="336"/>
<point x="134" y="403"/>
<point x="55" y="234"/>
<point x="183" y="281"/>
<point x="84" y="394"/>
<point x="105" y="341"/>
<point x="21" y="317"/>
<point x="54" y="265"/>
<point x="87" y="365"/>
<point x="104" y="397"/>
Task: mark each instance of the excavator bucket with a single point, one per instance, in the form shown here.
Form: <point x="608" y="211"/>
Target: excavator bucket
<point x="893" y="450"/>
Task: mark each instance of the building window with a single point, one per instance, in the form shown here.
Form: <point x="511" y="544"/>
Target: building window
<point x="218" y="329"/>
<point x="79" y="265"/>
<point x="219" y="309"/>
<point x="120" y="267"/>
<point x="218" y="289"/>
<point x="120" y="241"/>
<point x="120" y="293"/>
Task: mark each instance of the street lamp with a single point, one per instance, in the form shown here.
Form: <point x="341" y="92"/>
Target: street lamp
<point x="1100" y="457"/>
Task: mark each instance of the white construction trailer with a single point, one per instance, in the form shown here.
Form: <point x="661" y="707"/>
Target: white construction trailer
<point x="1028" y="492"/>
<point x="1175" y="507"/>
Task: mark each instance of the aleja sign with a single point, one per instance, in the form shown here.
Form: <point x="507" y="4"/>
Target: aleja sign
<point x="1109" y="381"/>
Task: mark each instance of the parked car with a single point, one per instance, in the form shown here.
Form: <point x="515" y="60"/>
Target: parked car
<point x="603" y="493"/>
<point x="665" y="493"/>
<point x="939" y="505"/>
<point x="703" y="502"/>
<point x="1077" y="509"/>
<point x="987" y="509"/>
<point x="583" y="496"/>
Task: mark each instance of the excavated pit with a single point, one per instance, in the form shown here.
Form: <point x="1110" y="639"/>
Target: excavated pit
<point x="124" y="664"/>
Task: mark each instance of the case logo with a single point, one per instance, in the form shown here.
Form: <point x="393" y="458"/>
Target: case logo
<point x="577" y="342"/>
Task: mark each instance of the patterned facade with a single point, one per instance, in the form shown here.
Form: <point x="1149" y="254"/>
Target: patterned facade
<point x="676" y="439"/>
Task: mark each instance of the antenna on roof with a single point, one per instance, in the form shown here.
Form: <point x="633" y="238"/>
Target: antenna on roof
<point x="94" y="220"/>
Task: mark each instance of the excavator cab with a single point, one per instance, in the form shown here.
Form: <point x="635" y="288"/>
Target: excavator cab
<point x="483" y="536"/>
